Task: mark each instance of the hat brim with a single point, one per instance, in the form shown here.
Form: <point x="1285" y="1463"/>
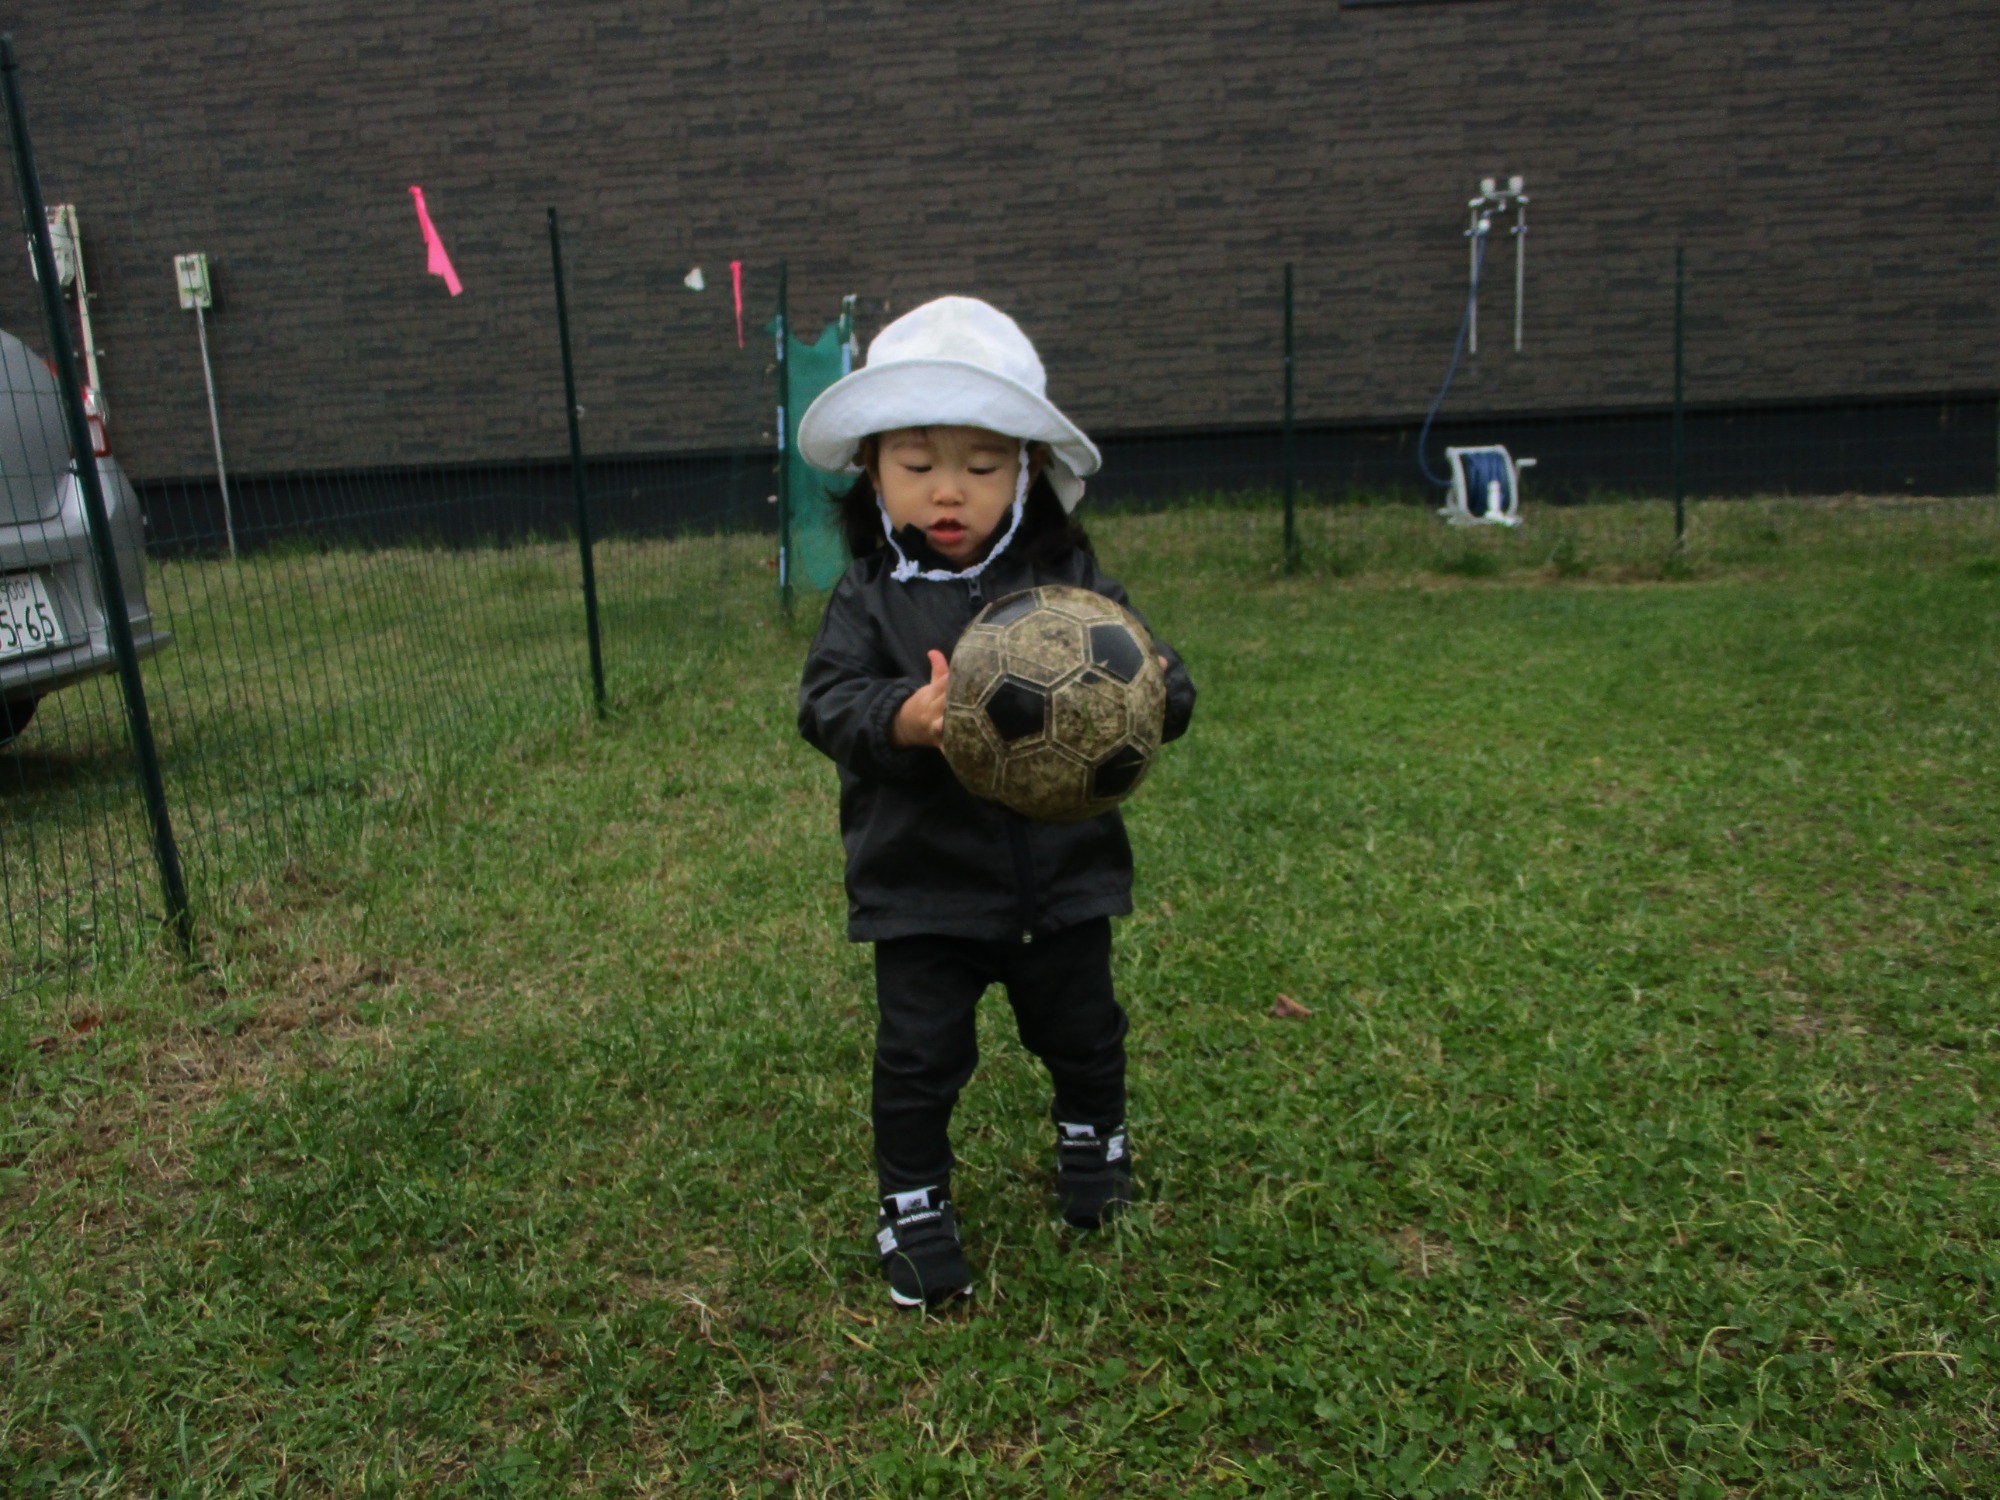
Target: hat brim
<point x="939" y="393"/>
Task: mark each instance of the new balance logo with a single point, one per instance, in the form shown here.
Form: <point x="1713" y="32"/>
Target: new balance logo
<point x="1084" y="1138"/>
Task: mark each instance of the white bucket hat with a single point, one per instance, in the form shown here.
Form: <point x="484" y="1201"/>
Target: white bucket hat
<point x="953" y="362"/>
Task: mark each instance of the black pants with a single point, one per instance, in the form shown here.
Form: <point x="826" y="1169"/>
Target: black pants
<point x="925" y="1048"/>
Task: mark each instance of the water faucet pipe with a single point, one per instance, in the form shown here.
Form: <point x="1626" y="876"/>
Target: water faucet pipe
<point x="1520" y="233"/>
<point x="1493" y="200"/>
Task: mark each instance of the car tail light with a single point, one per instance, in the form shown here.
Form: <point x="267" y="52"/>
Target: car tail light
<point x="93" y="413"/>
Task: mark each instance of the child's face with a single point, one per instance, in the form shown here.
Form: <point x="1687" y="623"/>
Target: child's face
<point x="954" y="483"/>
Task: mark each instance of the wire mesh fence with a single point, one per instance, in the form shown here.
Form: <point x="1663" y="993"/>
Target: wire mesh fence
<point x="317" y="645"/>
<point x="1362" y="505"/>
<point x="1674" y="453"/>
<point x="348" y="583"/>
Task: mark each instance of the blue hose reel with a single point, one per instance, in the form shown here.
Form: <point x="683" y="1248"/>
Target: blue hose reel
<point x="1484" y="487"/>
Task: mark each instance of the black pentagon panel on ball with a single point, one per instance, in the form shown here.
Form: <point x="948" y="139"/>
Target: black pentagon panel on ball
<point x="1006" y="611"/>
<point x="1017" y="709"/>
<point x="1113" y="649"/>
<point x="1118" y="773"/>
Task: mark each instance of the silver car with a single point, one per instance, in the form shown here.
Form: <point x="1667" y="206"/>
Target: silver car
<point x="52" y="618"/>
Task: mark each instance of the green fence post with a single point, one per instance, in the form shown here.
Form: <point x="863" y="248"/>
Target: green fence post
<point x="111" y="585"/>
<point x="583" y="537"/>
<point x="1680" y="391"/>
<point x="1290" y="442"/>
<point x="784" y="446"/>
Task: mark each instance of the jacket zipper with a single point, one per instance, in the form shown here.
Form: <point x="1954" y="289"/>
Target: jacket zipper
<point x="1017" y="833"/>
<point x="1024" y="873"/>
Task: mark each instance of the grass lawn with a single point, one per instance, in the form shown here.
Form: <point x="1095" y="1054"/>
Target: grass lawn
<point x="307" y="691"/>
<point x="1642" y="1139"/>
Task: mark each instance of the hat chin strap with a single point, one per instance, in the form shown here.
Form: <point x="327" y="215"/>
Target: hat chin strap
<point x="906" y="567"/>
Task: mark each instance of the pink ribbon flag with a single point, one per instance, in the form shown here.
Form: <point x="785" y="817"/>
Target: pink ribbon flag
<point x="439" y="263"/>
<point x="736" y="280"/>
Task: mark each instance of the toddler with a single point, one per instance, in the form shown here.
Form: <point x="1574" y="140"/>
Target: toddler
<point x="966" y="477"/>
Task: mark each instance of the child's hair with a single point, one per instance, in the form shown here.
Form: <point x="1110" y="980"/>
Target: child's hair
<point x="1047" y="533"/>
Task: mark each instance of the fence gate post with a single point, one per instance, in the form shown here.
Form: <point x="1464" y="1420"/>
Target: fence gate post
<point x="784" y="444"/>
<point x="583" y="539"/>
<point x="111" y="585"/>
<point x="1680" y="391"/>
<point x="1290" y="444"/>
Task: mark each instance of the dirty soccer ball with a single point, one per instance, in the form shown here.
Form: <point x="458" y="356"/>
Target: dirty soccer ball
<point x="1054" y="704"/>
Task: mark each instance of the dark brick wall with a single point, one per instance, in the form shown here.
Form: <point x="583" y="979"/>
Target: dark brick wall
<point x="1126" y="177"/>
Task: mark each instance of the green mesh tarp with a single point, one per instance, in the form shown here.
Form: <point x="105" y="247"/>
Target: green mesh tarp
<point x="818" y="555"/>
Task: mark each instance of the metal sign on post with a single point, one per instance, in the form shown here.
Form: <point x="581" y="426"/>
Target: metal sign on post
<point x="191" y="273"/>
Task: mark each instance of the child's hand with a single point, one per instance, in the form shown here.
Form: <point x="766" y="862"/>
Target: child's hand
<point x="920" y="721"/>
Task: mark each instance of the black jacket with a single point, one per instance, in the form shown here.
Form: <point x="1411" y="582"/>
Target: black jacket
<point x="923" y="854"/>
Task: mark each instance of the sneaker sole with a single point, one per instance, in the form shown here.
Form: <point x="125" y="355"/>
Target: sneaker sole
<point x="902" y="1301"/>
<point x="1115" y="1203"/>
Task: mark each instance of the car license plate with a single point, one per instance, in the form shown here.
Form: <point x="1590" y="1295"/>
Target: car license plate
<point x="27" y="620"/>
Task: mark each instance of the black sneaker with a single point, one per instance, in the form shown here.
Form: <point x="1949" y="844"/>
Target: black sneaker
<point x="917" y="1239"/>
<point x="1093" y="1174"/>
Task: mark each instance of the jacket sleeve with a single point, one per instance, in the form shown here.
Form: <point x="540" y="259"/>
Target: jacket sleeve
<point x="1180" y="686"/>
<point x="846" y="705"/>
